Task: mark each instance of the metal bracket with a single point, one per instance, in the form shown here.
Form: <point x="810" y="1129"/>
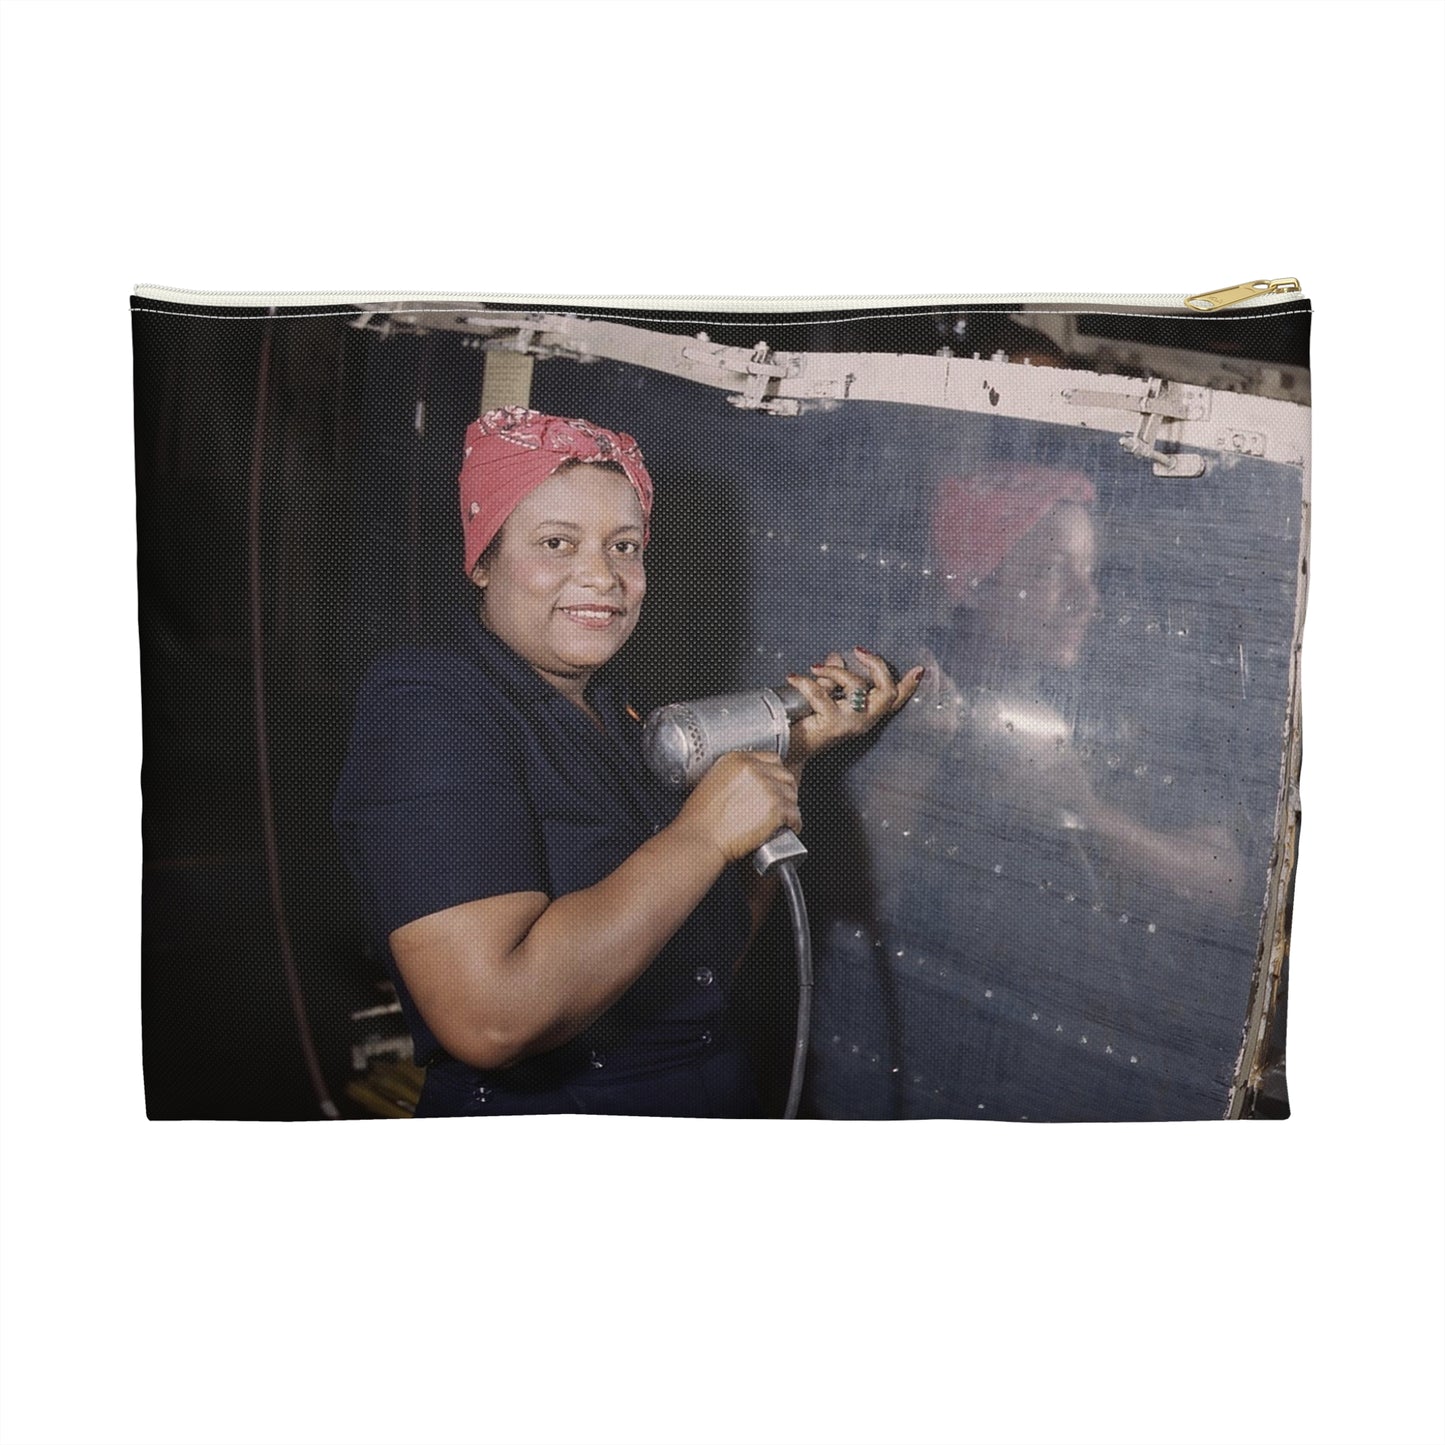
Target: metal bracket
<point x="1160" y="402"/>
<point x="522" y="341"/>
<point x="518" y="335"/>
<point x="760" y="370"/>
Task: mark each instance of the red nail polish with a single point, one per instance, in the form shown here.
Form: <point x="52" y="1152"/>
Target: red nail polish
<point x="865" y="652"/>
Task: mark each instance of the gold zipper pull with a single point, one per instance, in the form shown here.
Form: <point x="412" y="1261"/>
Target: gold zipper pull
<point x="1214" y="300"/>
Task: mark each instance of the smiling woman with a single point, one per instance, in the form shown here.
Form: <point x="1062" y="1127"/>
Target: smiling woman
<point x="561" y="927"/>
<point x="563" y="582"/>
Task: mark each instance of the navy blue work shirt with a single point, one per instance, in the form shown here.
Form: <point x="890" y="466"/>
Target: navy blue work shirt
<point x="470" y="776"/>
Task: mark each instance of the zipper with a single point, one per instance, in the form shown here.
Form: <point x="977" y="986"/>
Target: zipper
<point x="1245" y="291"/>
<point x="1205" y="301"/>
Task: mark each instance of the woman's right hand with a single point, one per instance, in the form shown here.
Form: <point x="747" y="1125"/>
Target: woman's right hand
<point x="742" y="801"/>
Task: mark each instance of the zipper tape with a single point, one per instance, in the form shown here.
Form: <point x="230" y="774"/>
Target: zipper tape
<point x="1239" y="297"/>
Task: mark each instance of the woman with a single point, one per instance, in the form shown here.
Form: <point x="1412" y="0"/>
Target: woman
<point x="561" y="927"/>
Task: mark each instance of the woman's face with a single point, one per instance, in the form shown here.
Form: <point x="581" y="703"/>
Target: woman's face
<point x="566" y="580"/>
<point x="1039" y="602"/>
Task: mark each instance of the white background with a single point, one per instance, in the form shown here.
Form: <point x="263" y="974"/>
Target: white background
<point x="554" y="1280"/>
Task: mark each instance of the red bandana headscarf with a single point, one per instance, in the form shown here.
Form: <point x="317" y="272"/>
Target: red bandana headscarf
<point x="978" y="520"/>
<point x="513" y="450"/>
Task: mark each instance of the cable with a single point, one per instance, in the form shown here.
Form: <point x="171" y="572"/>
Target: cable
<point x="263" y="750"/>
<point x="803" y="945"/>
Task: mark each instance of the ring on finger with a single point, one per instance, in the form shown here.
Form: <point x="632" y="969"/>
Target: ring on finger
<point x="859" y="698"/>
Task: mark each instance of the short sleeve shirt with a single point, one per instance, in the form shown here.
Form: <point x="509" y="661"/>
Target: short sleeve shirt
<point x="469" y="776"/>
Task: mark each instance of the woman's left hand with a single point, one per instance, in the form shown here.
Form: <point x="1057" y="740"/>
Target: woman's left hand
<point x="869" y="694"/>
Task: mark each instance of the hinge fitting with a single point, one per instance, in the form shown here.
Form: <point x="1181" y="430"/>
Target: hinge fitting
<point x="761" y="373"/>
<point x="1163" y="401"/>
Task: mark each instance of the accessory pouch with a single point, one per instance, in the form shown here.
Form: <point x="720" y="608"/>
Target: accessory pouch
<point x="1054" y="886"/>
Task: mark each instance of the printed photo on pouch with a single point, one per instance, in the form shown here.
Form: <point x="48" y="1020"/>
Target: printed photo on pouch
<point x="720" y="709"/>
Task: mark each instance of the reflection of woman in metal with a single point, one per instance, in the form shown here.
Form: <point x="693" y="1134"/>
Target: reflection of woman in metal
<point x="1018" y="548"/>
<point x="1030" y="948"/>
<point x="562" y="928"/>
